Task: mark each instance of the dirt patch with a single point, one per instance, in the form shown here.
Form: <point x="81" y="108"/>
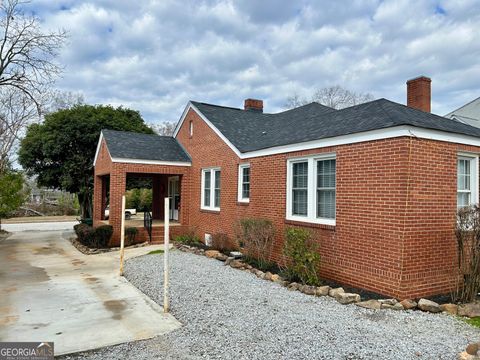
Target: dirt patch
<point x="77" y="262"/>
<point x="92" y="279"/>
<point x="116" y="307"/>
<point x="9" y="320"/>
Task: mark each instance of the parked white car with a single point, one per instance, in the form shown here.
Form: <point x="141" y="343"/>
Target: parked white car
<point x="128" y="213"/>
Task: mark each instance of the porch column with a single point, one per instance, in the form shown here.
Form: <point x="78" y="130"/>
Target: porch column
<point x="99" y="198"/>
<point x="118" y="180"/>
<point x="159" y="191"/>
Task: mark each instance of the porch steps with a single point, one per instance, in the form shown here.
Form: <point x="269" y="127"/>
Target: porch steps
<point x="158" y="234"/>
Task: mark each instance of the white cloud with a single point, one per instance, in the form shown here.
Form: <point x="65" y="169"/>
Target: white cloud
<point x="154" y="56"/>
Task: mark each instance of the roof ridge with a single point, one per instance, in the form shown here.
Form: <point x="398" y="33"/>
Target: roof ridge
<point x="215" y="105"/>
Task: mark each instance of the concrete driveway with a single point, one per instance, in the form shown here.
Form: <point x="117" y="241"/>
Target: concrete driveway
<point x="49" y="291"/>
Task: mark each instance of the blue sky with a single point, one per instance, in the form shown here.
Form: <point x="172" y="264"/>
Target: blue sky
<point x="154" y="56"/>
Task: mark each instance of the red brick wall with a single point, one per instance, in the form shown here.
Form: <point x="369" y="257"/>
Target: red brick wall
<point x="396" y="203"/>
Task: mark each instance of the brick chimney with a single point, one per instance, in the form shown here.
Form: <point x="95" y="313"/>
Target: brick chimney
<point x="253" y="105"/>
<point x="419" y="93"/>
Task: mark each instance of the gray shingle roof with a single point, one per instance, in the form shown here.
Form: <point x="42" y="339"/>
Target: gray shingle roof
<point x="130" y="145"/>
<point x="250" y="130"/>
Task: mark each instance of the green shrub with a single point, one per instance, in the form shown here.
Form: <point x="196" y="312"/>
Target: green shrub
<point x="103" y="234"/>
<point x="85" y="234"/>
<point x="223" y="243"/>
<point x="188" y="238"/>
<point x="256" y="236"/>
<point x="130" y="235"/>
<point x="301" y="256"/>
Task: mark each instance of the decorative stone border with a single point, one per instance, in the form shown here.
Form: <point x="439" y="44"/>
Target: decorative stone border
<point x="339" y="294"/>
<point x="89" y="251"/>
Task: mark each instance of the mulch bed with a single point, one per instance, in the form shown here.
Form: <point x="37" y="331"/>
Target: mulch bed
<point x="89" y="251"/>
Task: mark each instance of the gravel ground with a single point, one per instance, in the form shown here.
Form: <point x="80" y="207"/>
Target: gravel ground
<point x="231" y="314"/>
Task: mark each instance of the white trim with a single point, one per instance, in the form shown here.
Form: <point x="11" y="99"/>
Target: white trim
<point x="474" y="174"/>
<point x="240" y="197"/>
<point x="150" y="162"/>
<point x="97" y="152"/>
<point x="212" y="171"/>
<point x="311" y="190"/>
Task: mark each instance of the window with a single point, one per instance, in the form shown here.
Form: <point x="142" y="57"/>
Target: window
<point x="191" y="128"/>
<point x="311" y="189"/>
<point x="467" y="175"/>
<point x="244" y="183"/>
<point x="210" y="189"/>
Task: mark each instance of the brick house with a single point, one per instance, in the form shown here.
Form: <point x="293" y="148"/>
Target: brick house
<point x="377" y="183"/>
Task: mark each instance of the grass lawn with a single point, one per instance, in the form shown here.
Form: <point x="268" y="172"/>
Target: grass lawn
<point x="473" y="321"/>
<point x="159" y="251"/>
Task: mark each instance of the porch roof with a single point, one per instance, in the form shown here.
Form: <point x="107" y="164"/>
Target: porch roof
<point x="143" y="148"/>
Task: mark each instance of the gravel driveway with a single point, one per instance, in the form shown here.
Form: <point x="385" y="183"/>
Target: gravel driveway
<point x="231" y="314"/>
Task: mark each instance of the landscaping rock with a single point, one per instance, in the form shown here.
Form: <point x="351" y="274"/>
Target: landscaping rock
<point x="472" y="349"/>
<point x="268" y="276"/>
<point x="465" y="356"/>
<point x="469" y="310"/>
<point x="334" y="292"/>
<point x="260" y="274"/>
<point x="212" y="253"/>
<point x="388" y="302"/>
<point x="229" y="260"/>
<point x="221" y="257"/>
<point x="281" y="282"/>
<point x="237" y="264"/>
<point x="391" y="304"/>
<point x="408" y="304"/>
<point x="370" y="304"/>
<point x="308" y="290"/>
<point x="322" y="290"/>
<point x="347" y="298"/>
<point x="293" y="286"/>
<point x="449" y="308"/>
<point x="275" y="277"/>
<point x="236" y="254"/>
<point x="428" y="305"/>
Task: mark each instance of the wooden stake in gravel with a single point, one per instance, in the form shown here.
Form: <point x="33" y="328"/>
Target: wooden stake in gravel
<point x="122" y="236"/>
<point x="166" y="245"/>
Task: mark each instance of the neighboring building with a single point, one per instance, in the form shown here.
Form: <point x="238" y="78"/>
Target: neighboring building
<point x="377" y="183"/>
<point x="468" y="113"/>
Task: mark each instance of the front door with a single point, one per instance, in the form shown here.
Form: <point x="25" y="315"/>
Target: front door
<point x="174" y="196"/>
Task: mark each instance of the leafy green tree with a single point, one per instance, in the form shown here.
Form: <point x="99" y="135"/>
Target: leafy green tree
<point x="60" y="151"/>
<point x="12" y="195"/>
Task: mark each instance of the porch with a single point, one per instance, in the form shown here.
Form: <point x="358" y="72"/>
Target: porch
<point x="129" y="160"/>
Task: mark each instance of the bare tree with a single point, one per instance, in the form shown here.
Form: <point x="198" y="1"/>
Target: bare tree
<point x="165" y="128"/>
<point x="16" y="111"/>
<point x="27" y="53"/>
<point x="335" y="97"/>
<point x="62" y="100"/>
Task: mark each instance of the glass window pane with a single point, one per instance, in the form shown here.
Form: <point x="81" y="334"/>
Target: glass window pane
<point x="463" y="199"/>
<point x="299" y="203"/>
<point x="206" y="191"/>
<point x="245" y="182"/>
<point x="245" y="191"/>
<point x="300" y="175"/>
<point x="326" y="204"/>
<point x="216" y="202"/>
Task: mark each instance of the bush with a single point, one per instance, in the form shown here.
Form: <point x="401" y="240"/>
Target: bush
<point x="467" y="232"/>
<point x="188" y="238"/>
<point x="85" y="234"/>
<point x="223" y="243"/>
<point x="130" y="235"/>
<point x="103" y="234"/>
<point x="256" y="236"/>
<point x="301" y="257"/>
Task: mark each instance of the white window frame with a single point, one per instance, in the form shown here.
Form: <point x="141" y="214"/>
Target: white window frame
<point x="212" y="189"/>
<point x="240" y="197"/>
<point x="473" y="158"/>
<point x="191" y="128"/>
<point x="311" y="216"/>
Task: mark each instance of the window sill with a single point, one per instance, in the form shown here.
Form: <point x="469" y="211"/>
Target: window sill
<point x="243" y="203"/>
<point x="310" y="225"/>
<point x="210" y="211"/>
